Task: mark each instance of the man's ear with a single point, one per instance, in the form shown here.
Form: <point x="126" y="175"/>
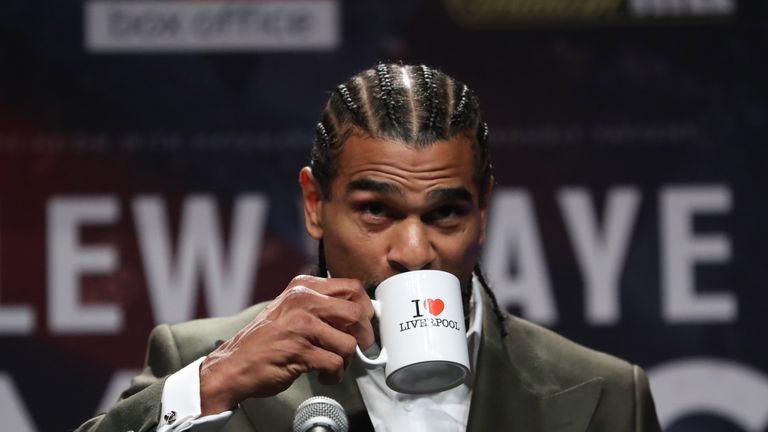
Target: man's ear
<point x="312" y="197"/>
<point x="485" y="205"/>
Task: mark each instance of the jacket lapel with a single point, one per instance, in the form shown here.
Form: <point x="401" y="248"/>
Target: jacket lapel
<point x="345" y="393"/>
<point x="571" y="409"/>
<point x="515" y="390"/>
<point x="348" y="395"/>
<point x="277" y="413"/>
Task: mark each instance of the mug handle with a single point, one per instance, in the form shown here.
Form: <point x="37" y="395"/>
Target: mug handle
<point x="381" y="360"/>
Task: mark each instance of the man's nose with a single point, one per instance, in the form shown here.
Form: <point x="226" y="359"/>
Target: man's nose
<point x="411" y="248"/>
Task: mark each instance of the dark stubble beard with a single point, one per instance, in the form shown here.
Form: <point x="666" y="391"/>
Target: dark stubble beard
<point x="370" y="289"/>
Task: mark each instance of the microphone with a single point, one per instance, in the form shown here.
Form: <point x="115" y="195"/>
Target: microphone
<point x="320" y="414"/>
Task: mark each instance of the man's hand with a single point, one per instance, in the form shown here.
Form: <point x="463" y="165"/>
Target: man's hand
<point x="313" y="325"/>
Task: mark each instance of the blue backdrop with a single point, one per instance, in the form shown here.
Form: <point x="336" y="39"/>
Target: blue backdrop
<point x="144" y="145"/>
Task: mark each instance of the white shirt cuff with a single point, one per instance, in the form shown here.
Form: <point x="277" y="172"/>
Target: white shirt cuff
<point x="180" y="408"/>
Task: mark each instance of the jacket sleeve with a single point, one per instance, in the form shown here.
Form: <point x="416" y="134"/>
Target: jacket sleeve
<point x="138" y="408"/>
<point x="645" y="410"/>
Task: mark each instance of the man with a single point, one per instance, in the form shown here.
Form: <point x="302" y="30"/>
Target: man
<point x="400" y="180"/>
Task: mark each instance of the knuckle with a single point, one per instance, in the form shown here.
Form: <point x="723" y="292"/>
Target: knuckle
<point x="296" y="290"/>
<point x="297" y="349"/>
<point x="294" y="351"/>
<point x="336" y="363"/>
<point x="366" y="309"/>
<point x="301" y="319"/>
<point x="349" y="348"/>
<point x="356" y="285"/>
<point x="348" y="285"/>
<point x="299" y="293"/>
<point x="357" y="313"/>
<point x="302" y="280"/>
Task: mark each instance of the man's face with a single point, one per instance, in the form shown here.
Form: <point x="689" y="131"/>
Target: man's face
<point x="394" y="208"/>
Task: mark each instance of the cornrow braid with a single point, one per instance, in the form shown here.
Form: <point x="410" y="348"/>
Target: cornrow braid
<point x="482" y="139"/>
<point x="385" y="92"/>
<point x="489" y="292"/>
<point x="346" y="97"/>
<point x="322" y="268"/>
<point x="484" y="171"/>
<point x="461" y="111"/>
<point x="431" y="95"/>
<point x="482" y="132"/>
<point x="321" y="134"/>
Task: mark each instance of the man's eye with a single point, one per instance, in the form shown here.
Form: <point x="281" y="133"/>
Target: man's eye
<point x="446" y="213"/>
<point x="373" y="209"/>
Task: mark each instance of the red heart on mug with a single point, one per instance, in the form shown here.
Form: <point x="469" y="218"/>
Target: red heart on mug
<point x="434" y="306"/>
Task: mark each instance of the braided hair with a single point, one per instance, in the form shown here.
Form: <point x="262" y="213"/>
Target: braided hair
<point x="413" y="105"/>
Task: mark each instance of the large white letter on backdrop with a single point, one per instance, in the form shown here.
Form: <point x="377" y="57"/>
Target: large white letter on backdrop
<point x="724" y="388"/>
<point x="682" y="250"/>
<point x="228" y="279"/>
<point x="601" y="253"/>
<point x="17" y="319"/>
<point x="68" y="260"/>
<point x="13" y="413"/>
<point x="514" y="243"/>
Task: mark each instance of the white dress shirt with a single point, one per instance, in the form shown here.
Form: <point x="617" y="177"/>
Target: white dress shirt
<point x="389" y="410"/>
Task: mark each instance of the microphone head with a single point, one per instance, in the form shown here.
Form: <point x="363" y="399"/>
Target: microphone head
<point x="320" y="411"/>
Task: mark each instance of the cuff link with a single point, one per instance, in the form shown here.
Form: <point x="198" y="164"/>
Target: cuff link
<point x="170" y="417"/>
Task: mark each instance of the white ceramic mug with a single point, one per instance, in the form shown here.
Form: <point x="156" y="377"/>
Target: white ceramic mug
<point x="423" y="337"/>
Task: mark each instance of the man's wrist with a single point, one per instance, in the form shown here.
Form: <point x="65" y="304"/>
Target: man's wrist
<point x="214" y="397"/>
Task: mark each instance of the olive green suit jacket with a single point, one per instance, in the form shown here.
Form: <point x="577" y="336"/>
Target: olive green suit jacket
<point x="530" y="380"/>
